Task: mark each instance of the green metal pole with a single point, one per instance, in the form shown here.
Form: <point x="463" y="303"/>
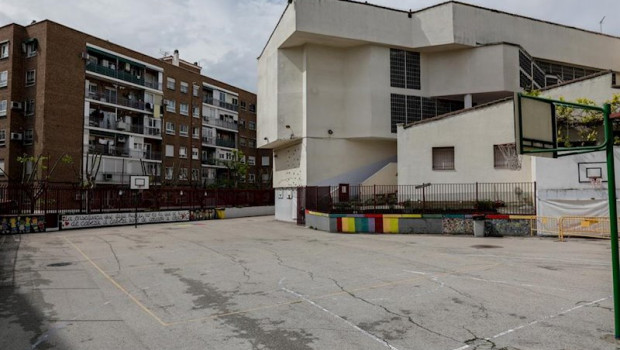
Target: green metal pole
<point x="613" y="216"/>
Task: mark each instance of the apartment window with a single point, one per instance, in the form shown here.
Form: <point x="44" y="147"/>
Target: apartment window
<point x="405" y="69"/>
<point x="31" y="46"/>
<point x="170" y="128"/>
<point x="251" y="143"/>
<point x="169" y="150"/>
<point x="29" y="107"/>
<point x="242" y="142"/>
<point x="251" y="160"/>
<point x="502" y="159"/>
<point x="183" y="152"/>
<point x="171" y="106"/>
<point x="195" y="132"/>
<point x="265" y="161"/>
<point x="242" y="123"/>
<point x="171" y="83"/>
<point x="184" y="109"/>
<point x="183" y="174"/>
<point x="3" y="108"/>
<point x="251" y="178"/>
<point x="2" y="168"/>
<point x="242" y="106"/>
<point x="195" y="174"/>
<point x="4" y="78"/>
<point x="252" y="107"/>
<point x="252" y="125"/>
<point x="196" y="112"/>
<point x="169" y="173"/>
<point x="28" y="137"/>
<point x="2" y="137"/>
<point x="183" y="130"/>
<point x="184" y="87"/>
<point x="443" y="158"/>
<point x="30" y="77"/>
<point x="195" y="153"/>
<point x="195" y="89"/>
<point x="92" y="90"/>
<point x="265" y="178"/>
<point x="4" y="50"/>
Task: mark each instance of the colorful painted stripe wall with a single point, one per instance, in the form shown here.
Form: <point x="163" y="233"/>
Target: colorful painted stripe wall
<point x="414" y="223"/>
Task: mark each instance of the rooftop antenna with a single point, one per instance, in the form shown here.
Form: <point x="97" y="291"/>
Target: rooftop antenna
<point x="601" y="23"/>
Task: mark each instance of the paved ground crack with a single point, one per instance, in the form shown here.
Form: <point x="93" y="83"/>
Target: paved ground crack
<point x="118" y="263"/>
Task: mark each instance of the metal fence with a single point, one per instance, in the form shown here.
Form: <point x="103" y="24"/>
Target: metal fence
<point x="50" y="199"/>
<point x="504" y="198"/>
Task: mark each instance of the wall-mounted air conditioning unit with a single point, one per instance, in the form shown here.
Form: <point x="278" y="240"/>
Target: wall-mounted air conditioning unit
<point x="107" y="177"/>
<point x="17" y="105"/>
<point x="17" y="136"/>
<point x="85" y="56"/>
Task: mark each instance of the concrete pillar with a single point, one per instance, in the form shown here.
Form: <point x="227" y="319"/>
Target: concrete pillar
<point x="467" y="101"/>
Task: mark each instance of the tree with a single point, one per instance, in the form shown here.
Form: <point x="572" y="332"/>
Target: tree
<point x="237" y="168"/>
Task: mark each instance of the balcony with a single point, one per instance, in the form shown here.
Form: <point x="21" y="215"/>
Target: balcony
<point x="210" y="161"/>
<point x="208" y="141"/>
<point x="221" y="123"/>
<point x="218" y="103"/>
<point x="121" y="75"/>
<point x="225" y="143"/>
<point x="111" y="124"/>
<point x="120" y="101"/>
<point x="123" y="152"/>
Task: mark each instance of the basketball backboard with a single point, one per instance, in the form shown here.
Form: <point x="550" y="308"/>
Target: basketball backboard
<point x="139" y="182"/>
<point x="555" y="128"/>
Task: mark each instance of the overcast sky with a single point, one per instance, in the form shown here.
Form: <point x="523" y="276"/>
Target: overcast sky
<point x="226" y="36"/>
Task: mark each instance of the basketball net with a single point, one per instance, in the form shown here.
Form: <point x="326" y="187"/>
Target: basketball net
<point x="512" y="159"/>
<point x="596" y="182"/>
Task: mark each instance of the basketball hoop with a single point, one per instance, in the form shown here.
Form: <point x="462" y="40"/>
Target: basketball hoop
<point x="596" y="182"/>
<point x="512" y="158"/>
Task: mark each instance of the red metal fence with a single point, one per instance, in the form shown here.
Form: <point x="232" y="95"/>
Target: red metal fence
<point x="505" y="198"/>
<point x="61" y="199"/>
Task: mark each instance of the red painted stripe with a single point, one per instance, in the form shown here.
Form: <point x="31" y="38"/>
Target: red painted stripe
<point x="498" y="217"/>
<point x="339" y="224"/>
<point x="379" y="225"/>
<point x="374" y="216"/>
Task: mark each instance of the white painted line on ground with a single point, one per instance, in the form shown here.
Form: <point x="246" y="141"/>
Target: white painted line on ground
<point x="375" y="338"/>
<point x="539" y="320"/>
<point x="416" y="272"/>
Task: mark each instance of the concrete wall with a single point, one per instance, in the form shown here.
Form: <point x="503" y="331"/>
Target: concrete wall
<point x="386" y="176"/>
<point x="492" y="68"/>
<point x="451" y="224"/>
<point x="232" y="213"/>
<point x="472" y="133"/>
<point x="474" y="25"/>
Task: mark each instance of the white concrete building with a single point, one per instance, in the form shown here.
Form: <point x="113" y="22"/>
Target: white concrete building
<point x="337" y="76"/>
<point x="563" y="188"/>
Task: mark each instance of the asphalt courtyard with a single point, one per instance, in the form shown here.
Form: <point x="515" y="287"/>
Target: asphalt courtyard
<point x="255" y="283"/>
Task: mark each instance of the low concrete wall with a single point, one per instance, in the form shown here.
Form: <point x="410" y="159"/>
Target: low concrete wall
<point x="503" y="225"/>
<point x="231" y="213"/>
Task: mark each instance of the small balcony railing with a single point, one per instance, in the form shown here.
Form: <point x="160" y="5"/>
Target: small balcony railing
<point x="123" y="152"/>
<point x="121" y="101"/>
<point x="215" y="102"/>
<point x="122" y="75"/>
<point x="209" y="161"/>
<point x="122" y="126"/>
<point x="221" y="123"/>
<point x="225" y="143"/>
<point x="208" y="141"/>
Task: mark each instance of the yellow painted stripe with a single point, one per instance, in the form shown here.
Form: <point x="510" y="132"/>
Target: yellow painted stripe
<point x="390" y="225"/>
<point x="316" y="213"/>
<point x="522" y="217"/>
<point x="348" y="225"/>
<point x="131" y="297"/>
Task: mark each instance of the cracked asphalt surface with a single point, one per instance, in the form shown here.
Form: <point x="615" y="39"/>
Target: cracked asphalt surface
<point x="255" y="283"/>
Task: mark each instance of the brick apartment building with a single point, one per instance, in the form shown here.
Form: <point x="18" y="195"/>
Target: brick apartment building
<point x="120" y="112"/>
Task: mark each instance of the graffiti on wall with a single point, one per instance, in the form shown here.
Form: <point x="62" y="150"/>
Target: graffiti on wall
<point x="22" y="224"/>
<point x="202" y="214"/>
<point x="119" y="219"/>
<point x="453" y="226"/>
<point x="507" y="228"/>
